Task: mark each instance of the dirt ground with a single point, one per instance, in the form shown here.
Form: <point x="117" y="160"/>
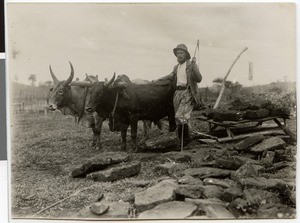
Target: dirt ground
<point x="44" y="152"/>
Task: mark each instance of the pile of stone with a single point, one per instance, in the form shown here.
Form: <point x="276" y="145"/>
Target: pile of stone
<point x="247" y="181"/>
<point x="108" y="167"/>
<point x="239" y="110"/>
<point x="254" y="178"/>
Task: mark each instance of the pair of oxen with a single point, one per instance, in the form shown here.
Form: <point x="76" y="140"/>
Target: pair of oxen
<point x="119" y="100"/>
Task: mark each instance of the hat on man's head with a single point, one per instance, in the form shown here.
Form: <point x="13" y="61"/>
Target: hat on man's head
<point x="184" y="48"/>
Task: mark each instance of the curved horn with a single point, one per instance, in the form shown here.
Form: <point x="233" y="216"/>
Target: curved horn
<point x="53" y="75"/>
<point x="68" y="81"/>
<point x="88" y="78"/>
<point x="111" y="81"/>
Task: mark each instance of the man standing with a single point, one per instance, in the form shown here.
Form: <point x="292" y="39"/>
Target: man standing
<point x="185" y="75"/>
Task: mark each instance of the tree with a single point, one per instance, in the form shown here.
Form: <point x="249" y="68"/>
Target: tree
<point x="48" y="83"/>
<point x="32" y="78"/>
<point x="232" y="89"/>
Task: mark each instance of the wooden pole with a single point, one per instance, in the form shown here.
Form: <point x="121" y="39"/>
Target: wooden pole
<point x="224" y="80"/>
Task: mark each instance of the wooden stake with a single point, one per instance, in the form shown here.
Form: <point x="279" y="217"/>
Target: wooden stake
<point x="224" y="80"/>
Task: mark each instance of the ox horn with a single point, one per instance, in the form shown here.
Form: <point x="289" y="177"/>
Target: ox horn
<point x="89" y="79"/>
<point x="53" y="75"/>
<point x="111" y="81"/>
<point x="68" y="81"/>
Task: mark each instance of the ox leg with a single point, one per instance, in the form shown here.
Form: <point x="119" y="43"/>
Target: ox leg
<point x="160" y="125"/>
<point x="124" y="135"/>
<point x="146" y="127"/>
<point x="133" y="125"/>
<point x="98" y="130"/>
<point x="172" y="122"/>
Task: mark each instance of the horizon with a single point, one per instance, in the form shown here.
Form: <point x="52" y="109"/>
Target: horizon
<point x="138" y="39"/>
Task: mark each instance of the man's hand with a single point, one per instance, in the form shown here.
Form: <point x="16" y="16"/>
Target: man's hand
<point x="194" y="60"/>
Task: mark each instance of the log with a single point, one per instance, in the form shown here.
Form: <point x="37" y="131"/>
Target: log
<point x="240" y="137"/>
<point x="286" y="130"/>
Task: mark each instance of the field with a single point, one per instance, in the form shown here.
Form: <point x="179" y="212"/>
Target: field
<point x="44" y="152"/>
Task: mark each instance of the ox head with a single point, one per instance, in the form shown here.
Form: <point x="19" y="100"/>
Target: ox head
<point x="99" y="93"/>
<point x="60" y="92"/>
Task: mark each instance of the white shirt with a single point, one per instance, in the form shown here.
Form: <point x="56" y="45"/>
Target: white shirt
<point x="181" y="75"/>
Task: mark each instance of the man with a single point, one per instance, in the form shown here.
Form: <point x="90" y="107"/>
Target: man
<point x="185" y="75"/>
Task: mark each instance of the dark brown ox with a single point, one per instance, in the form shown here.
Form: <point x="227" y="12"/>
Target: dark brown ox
<point x="71" y="100"/>
<point x="125" y="103"/>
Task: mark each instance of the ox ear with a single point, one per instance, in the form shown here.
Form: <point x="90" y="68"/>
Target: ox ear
<point x="53" y="75"/>
<point x="111" y="81"/>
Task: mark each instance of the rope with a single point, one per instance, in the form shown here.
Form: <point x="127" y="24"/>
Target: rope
<point x="114" y="109"/>
<point x="83" y="106"/>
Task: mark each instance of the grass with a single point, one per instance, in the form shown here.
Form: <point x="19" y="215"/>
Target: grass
<point x="44" y="152"/>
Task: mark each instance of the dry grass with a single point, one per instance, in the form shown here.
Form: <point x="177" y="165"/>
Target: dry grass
<point x="46" y="150"/>
<point x="44" y="153"/>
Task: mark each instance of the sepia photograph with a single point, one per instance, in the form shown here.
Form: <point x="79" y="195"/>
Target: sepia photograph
<point x="161" y="111"/>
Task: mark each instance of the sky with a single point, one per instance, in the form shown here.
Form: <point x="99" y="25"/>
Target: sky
<point x="138" y="40"/>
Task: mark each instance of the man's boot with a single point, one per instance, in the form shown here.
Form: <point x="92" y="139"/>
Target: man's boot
<point x="186" y="135"/>
<point x="179" y="132"/>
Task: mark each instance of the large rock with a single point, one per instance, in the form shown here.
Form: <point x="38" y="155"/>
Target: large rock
<point x="229" y="163"/>
<point x="170" y="168"/>
<point x="225" y="115"/>
<point x="163" y="142"/>
<point x="99" y="208"/>
<point x="189" y="191"/>
<point x="99" y="163"/>
<point x="162" y="192"/>
<point x="231" y="193"/>
<point x="239" y="207"/>
<point x="212" y="191"/>
<point x="275" y="211"/>
<point x="170" y="210"/>
<point x="206" y="172"/>
<point x="272" y="143"/>
<point x="243" y="160"/>
<point x="268" y="158"/>
<point x="244" y="171"/>
<point x="256" y="114"/>
<point x="117" y="172"/>
<point x="178" y="157"/>
<point x="222" y="183"/>
<point x="204" y="202"/>
<point x="190" y="180"/>
<point x="116" y="210"/>
<point x="256" y="197"/>
<point x="280" y="112"/>
<point x="248" y="142"/>
<point x="267" y="184"/>
<point x="216" y="211"/>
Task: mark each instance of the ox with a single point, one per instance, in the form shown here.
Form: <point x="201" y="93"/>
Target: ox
<point x="71" y="100"/>
<point x="125" y="103"/>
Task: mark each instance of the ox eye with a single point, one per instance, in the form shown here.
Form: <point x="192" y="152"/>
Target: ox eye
<point x="60" y="91"/>
<point x="51" y="89"/>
